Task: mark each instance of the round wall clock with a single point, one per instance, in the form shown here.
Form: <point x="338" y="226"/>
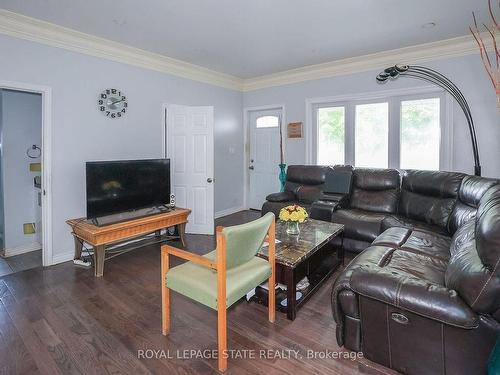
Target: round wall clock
<point x="112" y="103"/>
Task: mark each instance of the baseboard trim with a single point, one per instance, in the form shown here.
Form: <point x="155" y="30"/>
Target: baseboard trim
<point x="17" y="250"/>
<point x="61" y="258"/>
<point x="229" y="211"/>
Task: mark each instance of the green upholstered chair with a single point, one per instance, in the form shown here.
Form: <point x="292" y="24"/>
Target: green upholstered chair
<point x="220" y="278"/>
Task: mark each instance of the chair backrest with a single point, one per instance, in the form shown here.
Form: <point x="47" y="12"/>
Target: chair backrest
<point x="298" y="176"/>
<point x="474" y="267"/>
<point x="376" y="190"/>
<point x="429" y="196"/>
<point x="470" y="193"/>
<point x="245" y="240"/>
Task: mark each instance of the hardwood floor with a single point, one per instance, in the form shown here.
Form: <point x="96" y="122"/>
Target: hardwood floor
<point x="62" y="320"/>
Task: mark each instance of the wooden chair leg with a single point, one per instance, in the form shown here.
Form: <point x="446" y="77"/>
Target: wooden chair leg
<point x="221" y="302"/>
<point x="271" y="282"/>
<point x="165" y="295"/>
<point x="222" y="338"/>
<point x="272" y="298"/>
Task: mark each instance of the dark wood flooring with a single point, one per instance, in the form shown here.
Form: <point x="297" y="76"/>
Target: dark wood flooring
<point x="62" y="320"/>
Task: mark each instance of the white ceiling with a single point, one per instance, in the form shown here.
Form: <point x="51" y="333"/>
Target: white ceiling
<point x="249" y="38"/>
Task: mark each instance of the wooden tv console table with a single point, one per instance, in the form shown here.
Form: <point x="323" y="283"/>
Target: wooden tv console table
<point x="100" y="237"/>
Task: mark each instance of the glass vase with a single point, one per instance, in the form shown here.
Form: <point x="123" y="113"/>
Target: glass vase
<point x="282" y="176"/>
<point x="292" y="227"/>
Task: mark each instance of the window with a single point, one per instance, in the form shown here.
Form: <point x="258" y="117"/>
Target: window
<point x="267" y="122"/>
<point x="371" y="145"/>
<point x="420" y="134"/>
<point x="331" y="135"/>
<point x="408" y="132"/>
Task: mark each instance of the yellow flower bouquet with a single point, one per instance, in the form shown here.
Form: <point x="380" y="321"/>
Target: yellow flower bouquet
<point x="293" y="215"/>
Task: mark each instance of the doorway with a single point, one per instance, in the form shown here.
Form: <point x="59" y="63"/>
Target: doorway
<point x="263" y="154"/>
<point x="45" y="183"/>
<point x="189" y="143"/>
<point x="21" y="226"/>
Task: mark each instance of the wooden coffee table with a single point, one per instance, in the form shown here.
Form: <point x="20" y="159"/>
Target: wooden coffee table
<point x="310" y="254"/>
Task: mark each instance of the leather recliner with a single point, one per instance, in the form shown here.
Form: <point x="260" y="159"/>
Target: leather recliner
<point x="319" y="189"/>
<point x="423" y="295"/>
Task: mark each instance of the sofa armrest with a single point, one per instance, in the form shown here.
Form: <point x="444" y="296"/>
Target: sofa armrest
<point x="323" y="209"/>
<point x="283" y="196"/>
<point x="430" y="300"/>
<point x="341" y="199"/>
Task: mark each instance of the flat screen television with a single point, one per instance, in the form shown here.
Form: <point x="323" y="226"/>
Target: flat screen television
<point x="126" y="185"/>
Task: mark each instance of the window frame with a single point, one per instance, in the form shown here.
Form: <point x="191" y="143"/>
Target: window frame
<point x="394" y="99"/>
<point x="278" y="119"/>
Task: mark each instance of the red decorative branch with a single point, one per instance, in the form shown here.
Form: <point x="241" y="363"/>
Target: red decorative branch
<point x="492" y="69"/>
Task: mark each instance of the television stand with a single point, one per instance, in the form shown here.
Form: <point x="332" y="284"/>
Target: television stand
<point x="101" y="237"/>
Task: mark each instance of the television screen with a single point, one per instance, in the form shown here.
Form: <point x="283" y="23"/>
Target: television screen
<point x="126" y="185"/>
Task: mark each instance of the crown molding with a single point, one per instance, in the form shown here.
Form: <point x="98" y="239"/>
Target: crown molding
<point x="421" y="53"/>
<point x="23" y="27"/>
<point x="19" y="26"/>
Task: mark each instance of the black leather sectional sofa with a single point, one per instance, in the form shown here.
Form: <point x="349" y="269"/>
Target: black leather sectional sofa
<point x="423" y="295"/>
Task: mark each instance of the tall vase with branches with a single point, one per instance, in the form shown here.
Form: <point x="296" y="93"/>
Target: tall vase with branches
<point x="491" y="64"/>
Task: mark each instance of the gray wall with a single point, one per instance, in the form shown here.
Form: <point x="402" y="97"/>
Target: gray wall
<point x="81" y="133"/>
<point x="467" y="73"/>
<point x="21" y="128"/>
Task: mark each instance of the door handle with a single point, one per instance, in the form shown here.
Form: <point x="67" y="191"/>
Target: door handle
<point x="210" y="180"/>
<point x="251" y="167"/>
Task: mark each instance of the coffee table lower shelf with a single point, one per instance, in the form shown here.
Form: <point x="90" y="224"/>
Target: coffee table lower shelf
<point x="318" y="268"/>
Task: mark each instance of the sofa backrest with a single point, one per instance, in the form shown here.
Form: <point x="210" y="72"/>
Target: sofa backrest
<point x="470" y="193"/>
<point x="429" y="196"/>
<point x="376" y="190"/>
<point x="474" y="270"/>
<point x="306" y="181"/>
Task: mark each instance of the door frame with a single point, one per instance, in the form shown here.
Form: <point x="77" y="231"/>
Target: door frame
<point x="246" y="142"/>
<point x="165" y="134"/>
<point x="46" y="92"/>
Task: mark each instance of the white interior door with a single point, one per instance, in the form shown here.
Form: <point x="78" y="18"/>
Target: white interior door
<point x="190" y="147"/>
<point x="264" y="155"/>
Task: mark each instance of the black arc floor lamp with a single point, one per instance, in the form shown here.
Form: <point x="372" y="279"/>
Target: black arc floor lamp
<point x="430" y="75"/>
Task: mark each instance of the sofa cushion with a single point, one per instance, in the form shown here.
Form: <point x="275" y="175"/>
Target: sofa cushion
<point x="359" y="224"/>
<point x="413" y="282"/>
<point x="474" y="269"/>
<point x="376" y="190"/>
<point x="416" y="241"/>
<point x="401" y="221"/>
<point x="429" y="196"/>
<point x="470" y="193"/>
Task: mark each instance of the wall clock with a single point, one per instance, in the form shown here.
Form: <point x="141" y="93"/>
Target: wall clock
<point x="112" y="103"/>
